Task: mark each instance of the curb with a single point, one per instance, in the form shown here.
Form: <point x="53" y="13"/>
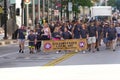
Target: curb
<point x="6" y="42"/>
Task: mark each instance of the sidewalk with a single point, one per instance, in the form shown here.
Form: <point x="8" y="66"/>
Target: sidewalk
<point x="8" y="41"/>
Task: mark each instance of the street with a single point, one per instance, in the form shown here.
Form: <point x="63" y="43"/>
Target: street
<point x="71" y="66"/>
<point x="10" y="57"/>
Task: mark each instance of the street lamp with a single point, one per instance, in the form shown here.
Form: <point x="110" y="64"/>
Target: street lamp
<point x="5" y="18"/>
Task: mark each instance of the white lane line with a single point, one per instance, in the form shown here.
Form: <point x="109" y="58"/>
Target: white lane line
<point x="12" y="53"/>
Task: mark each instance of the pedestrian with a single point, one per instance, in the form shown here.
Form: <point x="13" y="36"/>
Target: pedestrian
<point x="112" y="36"/>
<point x="66" y="34"/>
<point x="76" y="30"/>
<point x="118" y="34"/>
<point x="46" y="32"/>
<point x="105" y="30"/>
<point x="38" y="35"/>
<point x="99" y="30"/>
<point x="21" y="38"/>
<point x="32" y="41"/>
<point x="84" y="33"/>
<point x="93" y="34"/>
<point x="56" y="36"/>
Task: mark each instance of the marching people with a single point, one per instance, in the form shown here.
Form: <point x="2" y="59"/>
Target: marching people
<point x="84" y="33"/>
<point x="56" y="35"/>
<point x="99" y="30"/>
<point x="118" y="33"/>
<point x="93" y="35"/>
<point x="38" y="35"/>
<point x="32" y="41"/>
<point x="66" y="34"/>
<point x="21" y="38"/>
<point x="104" y="30"/>
<point x="112" y="36"/>
<point x="46" y="32"/>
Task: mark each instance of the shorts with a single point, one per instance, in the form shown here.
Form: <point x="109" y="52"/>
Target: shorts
<point x="118" y="35"/>
<point x="105" y="40"/>
<point x="91" y="40"/>
<point x="21" y="40"/>
<point x="111" y="38"/>
<point x="31" y="46"/>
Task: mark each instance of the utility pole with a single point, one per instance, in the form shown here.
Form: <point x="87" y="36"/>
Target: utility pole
<point x="48" y="11"/>
<point x="106" y="2"/>
<point x="22" y="7"/>
<point x="5" y="18"/>
<point x="39" y="19"/>
<point x="43" y="9"/>
<point x="33" y="9"/>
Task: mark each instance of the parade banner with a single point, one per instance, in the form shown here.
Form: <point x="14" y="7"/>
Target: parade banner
<point x="69" y="44"/>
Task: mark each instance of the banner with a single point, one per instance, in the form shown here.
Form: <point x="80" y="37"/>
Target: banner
<point x="69" y="44"/>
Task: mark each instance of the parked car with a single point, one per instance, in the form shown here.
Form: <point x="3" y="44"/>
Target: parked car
<point x="1" y="33"/>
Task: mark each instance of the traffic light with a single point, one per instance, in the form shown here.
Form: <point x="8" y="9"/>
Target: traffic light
<point x="18" y="12"/>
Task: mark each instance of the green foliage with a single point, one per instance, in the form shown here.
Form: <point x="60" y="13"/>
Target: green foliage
<point x="1" y="0"/>
<point x="112" y="3"/>
<point x="118" y="4"/>
<point x="84" y="3"/>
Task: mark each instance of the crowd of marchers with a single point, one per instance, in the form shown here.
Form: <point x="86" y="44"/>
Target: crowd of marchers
<point x="94" y="31"/>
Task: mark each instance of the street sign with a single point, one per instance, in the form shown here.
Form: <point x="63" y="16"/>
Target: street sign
<point x="69" y="6"/>
<point x="12" y="1"/>
<point x="27" y="1"/>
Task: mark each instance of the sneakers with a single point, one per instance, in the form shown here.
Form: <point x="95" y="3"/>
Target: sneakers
<point x="31" y="52"/>
<point x="57" y="52"/>
<point x="84" y="52"/>
<point x="21" y="51"/>
<point x="113" y="50"/>
<point x="98" y="49"/>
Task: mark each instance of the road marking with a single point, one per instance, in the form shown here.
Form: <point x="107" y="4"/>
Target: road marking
<point x="60" y="59"/>
<point x="12" y="53"/>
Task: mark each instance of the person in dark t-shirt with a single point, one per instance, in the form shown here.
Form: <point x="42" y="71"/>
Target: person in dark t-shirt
<point x="112" y="35"/>
<point x="83" y="32"/>
<point x="21" y="38"/>
<point x="92" y="33"/>
<point x="32" y="41"/>
<point x="66" y="34"/>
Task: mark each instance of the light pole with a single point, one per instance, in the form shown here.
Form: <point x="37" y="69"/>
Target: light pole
<point x="43" y="9"/>
<point x="5" y="18"/>
<point x="22" y="7"/>
<point x="39" y="11"/>
<point x="33" y="14"/>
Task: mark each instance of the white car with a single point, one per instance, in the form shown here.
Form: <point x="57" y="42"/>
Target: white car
<point x="1" y="33"/>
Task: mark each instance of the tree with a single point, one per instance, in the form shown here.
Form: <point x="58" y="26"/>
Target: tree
<point x="112" y="3"/>
<point x="85" y="3"/>
<point x="118" y="4"/>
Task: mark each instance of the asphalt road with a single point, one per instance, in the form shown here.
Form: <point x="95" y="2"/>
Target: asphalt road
<point x="102" y="65"/>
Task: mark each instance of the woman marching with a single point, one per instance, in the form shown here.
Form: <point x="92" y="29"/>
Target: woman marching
<point x="46" y="32"/>
<point x="56" y="35"/>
